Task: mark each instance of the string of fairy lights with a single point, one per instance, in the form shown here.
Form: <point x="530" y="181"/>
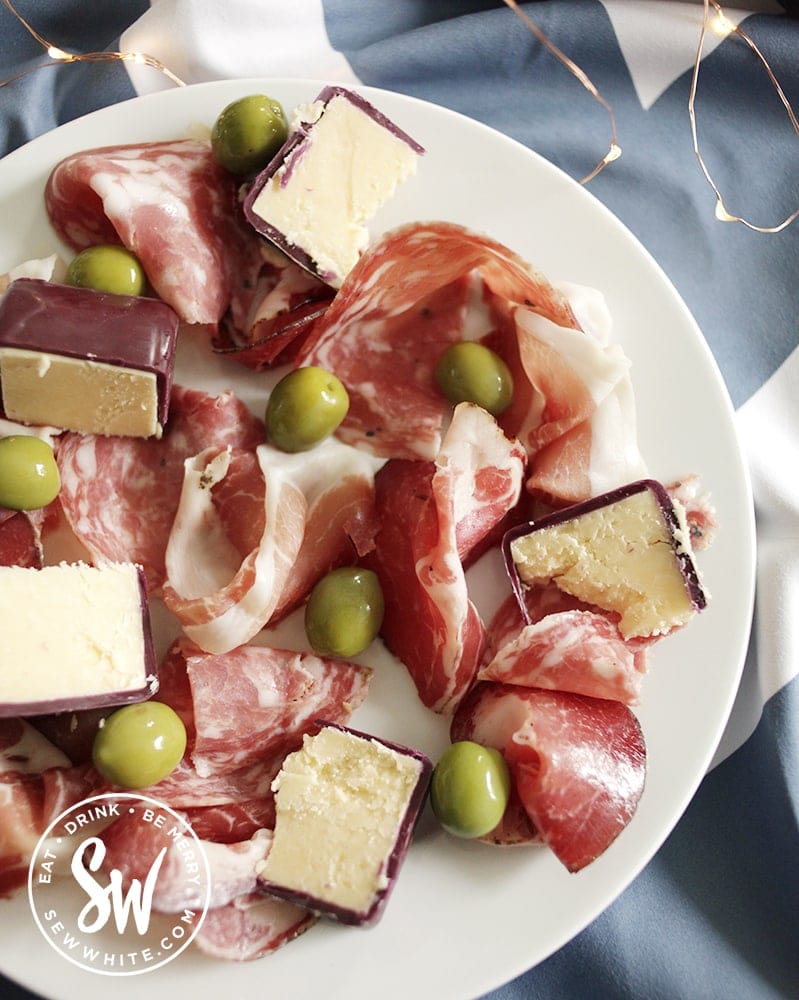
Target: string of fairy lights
<point x="714" y="19"/>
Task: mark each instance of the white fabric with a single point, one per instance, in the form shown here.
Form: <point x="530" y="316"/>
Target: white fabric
<point x="202" y="40"/>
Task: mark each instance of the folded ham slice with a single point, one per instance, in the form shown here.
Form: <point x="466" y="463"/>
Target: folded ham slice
<point x="577" y="764"/>
<point x="172" y="205"/>
<point x="430" y="515"/>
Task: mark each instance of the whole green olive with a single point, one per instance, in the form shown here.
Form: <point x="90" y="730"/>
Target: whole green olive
<point x="471" y="372"/>
<point x="304" y="408"/>
<point x="344" y="612"/>
<point x="107" y="268"/>
<point x="29" y="476"/>
<point x="470" y="788"/>
<point x="139" y="745"/>
<point x="248" y="133"/>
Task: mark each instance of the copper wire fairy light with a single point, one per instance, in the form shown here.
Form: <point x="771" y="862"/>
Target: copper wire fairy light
<point x="723" y="25"/>
<point x="60" y="57"/>
<point x="614" y="151"/>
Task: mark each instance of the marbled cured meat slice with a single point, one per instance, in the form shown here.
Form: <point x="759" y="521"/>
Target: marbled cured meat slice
<point x="224" y="872"/>
<point x="401" y="305"/>
<point x="232" y="822"/>
<point x="120" y="495"/>
<point x="257" y="701"/>
<point x="37" y="783"/>
<point x="424" y="509"/>
<point x="250" y="927"/>
<point x="578" y="764"/>
<point x="20" y="540"/>
<point x="268" y="322"/>
<point x="172" y="205"/>
<point x="578" y="651"/>
<point x="221" y="598"/>
<point x="266" y="526"/>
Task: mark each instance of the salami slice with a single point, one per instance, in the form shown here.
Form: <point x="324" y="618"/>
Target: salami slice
<point x="255" y="701"/>
<point x="578" y="764"/>
<point x="120" y="495"/>
<point x="578" y="651"/>
<point x="172" y="205"/>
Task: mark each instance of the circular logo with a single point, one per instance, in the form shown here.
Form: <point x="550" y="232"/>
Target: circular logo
<point x="119" y="884"/>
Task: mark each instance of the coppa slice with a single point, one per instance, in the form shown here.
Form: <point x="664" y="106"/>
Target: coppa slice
<point x="73" y="636"/>
<point x="627" y="551"/>
<point x="347" y="804"/>
<point x="84" y="360"/>
<point x="342" y="161"/>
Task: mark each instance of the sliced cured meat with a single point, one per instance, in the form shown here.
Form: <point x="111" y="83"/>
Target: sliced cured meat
<point x="427" y="513"/>
<point x="233" y="822"/>
<point x="398" y="309"/>
<point x="250" y="927"/>
<point x="268" y="323"/>
<point x="172" y="205"/>
<point x="578" y="651"/>
<point x="120" y="495"/>
<point x="699" y="510"/>
<point x="224" y="871"/>
<point x="341" y="521"/>
<point x="269" y="524"/>
<point x="254" y="702"/>
<point x="185" y="789"/>
<point x="578" y="764"/>
<point x="220" y="598"/>
<point x="20" y="540"/>
<point x="36" y="785"/>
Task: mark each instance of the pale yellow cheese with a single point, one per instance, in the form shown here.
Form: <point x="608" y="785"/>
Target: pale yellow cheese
<point x="620" y="557"/>
<point x="341" y="800"/>
<point x="92" y="397"/>
<point x="70" y="631"/>
<point x="322" y="198"/>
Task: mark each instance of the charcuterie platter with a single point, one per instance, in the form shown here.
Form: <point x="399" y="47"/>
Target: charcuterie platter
<point x="464" y="917"/>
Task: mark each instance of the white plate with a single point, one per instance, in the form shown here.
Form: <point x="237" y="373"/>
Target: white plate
<point x="465" y="917"/>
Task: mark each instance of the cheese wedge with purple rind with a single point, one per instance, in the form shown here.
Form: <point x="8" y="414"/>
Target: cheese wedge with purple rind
<point x="342" y="161"/>
<point x="346" y="807"/>
<point x="74" y="636"/>
<point x="627" y="551"/>
<point x="84" y="360"/>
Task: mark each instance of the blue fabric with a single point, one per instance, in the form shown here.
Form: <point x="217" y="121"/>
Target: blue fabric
<point x="715" y="915"/>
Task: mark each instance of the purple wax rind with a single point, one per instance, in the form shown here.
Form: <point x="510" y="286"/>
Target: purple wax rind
<point x="128" y="331"/>
<point x="395" y="859"/>
<point x="690" y="574"/>
<point x="108" y="699"/>
<point x="287" y="155"/>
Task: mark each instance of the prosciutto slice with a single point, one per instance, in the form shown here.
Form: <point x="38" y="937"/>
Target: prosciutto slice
<point x="254" y="532"/>
<point x="429" y="513"/>
<point x="20" y="539"/>
<point x="172" y="205"/>
<point x="398" y="309"/>
<point x="120" y="495"/>
<point x="578" y="764"/>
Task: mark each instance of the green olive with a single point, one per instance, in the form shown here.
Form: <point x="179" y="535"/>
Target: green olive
<point x="304" y="408"/>
<point x="248" y="133"/>
<point x="29" y="476"/>
<point x="139" y="745"/>
<point x="344" y="612"/>
<point x="470" y="789"/>
<point x="470" y="372"/>
<point x="107" y="268"/>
